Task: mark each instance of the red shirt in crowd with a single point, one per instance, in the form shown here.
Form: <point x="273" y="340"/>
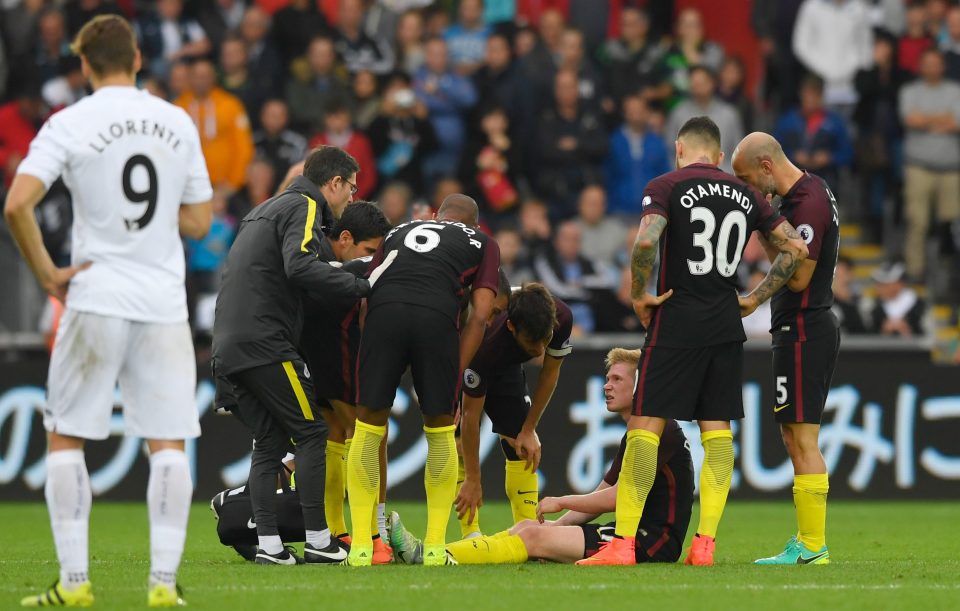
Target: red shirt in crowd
<point x="359" y="146"/>
<point x="16" y="132"/>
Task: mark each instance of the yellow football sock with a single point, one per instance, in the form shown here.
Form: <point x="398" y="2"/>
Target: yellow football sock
<point x="522" y="488"/>
<point x="714" y="479"/>
<point x="334" y="488"/>
<point x="440" y="481"/>
<point x="810" y="499"/>
<point x="507" y="549"/>
<point x="637" y="473"/>
<point x="363" y="481"/>
<point x="467" y="527"/>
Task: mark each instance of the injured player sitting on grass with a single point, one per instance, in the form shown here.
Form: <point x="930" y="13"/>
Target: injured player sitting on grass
<point x="573" y="536"/>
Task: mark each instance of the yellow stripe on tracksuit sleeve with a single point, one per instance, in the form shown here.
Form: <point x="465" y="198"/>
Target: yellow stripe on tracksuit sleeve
<point x="308" y="228"/>
<point x="298" y="390"/>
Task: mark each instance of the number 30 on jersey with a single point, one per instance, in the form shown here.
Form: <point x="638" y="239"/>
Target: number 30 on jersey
<point x="704" y="241"/>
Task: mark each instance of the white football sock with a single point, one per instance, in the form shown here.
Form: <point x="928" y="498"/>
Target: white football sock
<point x="382" y="522"/>
<point x="270" y="544"/>
<point x="68" y="499"/>
<point x="319" y="539"/>
<point x="169" y="491"/>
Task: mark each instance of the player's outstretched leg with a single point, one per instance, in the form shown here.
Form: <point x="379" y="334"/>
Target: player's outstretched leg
<point x="363" y="488"/>
<point x="715" y="477"/>
<point x="440" y="481"/>
<point x="169" y="491"/>
<point x="68" y="500"/>
<point x="637" y="475"/>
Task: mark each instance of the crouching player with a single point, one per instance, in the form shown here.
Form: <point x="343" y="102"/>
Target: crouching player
<point x="572" y="537"/>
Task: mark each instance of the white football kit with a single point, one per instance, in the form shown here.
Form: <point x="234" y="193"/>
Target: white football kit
<point x="129" y="160"/>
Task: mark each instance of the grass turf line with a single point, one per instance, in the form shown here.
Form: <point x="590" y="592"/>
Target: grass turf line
<point x="895" y="555"/>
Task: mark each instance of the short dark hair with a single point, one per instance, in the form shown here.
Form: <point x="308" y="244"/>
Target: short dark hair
<point x="364" y="220"/>
<point x="812" y="81"/>
<point x="702" y="128"/>
<point x="702" y="68"/>
<point x="108" y="44"/>
<point x="325" y="163"/>
<point x="533" y="311"/>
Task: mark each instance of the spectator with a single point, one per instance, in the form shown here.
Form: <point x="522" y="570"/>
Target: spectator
<point x="448" y="96"/>
<point x="757" y="324"/>
<point x="489" y="167"/>
<point x="79" y="12"/>
<point x="572" y="145"/>
<point x="467" y="39"/>
<point x="637" y="155"/>
<point x="773" y="23"/>
<point x="167" y="36"/>
<point x="275" y="143"/>
<point x="951" y="48"/>
<point x="365" y="101"/>
<point x="436" y="21"/>
<point x="19" y="119"/>
<point x="262" y="57"/>
<point x="410" y="42"/>
<point x="540" y="63"/>
<point x="19" y="29"/>
<point x="897" y="309"/>
<point x="691" y="48"/>
<point x="402" y="135"/>
<point x="338" y="132"/>
<point x="67" y="88"/>
<point x="704" y="101"/>
<point x="497" y="81"/>
<point x="262" y="183"/>
<point x="236" y="79"/>
<point x="319" y="86"/>
<point x="879" y="133"/>
<point x="833" y="39"/>
<point x="813" y="137"/>
<point x="937" y="19"/>
<point x="571" y="276"/>
<point x="295" y="27"/>
<point x="357" y="50"/>
<point x="511" y="256"/>
<point x="179" y="82"/>
<point x="633" y="61"/>
<point x="223" y="126"/>
<point x="846" y="301"/>
<point x="395" y="200"/>
<point x="732" y="89"/>
<point x="52" y="45"/>
<point x="220" y="17"/>
<point x="206" y="257"/>
<point x="915" y="40"/>
<point x="930" y="110"/>
<point x="534" y="229"/>
<point x="589" y="81"/>
<point x="602" y="235"/>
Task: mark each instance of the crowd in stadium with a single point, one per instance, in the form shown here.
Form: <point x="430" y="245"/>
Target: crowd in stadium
<point x="552" y="114"/>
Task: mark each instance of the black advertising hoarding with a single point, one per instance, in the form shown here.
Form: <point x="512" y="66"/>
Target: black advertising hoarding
<point x="891" y="430"/>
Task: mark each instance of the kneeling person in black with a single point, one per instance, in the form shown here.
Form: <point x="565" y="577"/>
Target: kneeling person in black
<point x="412" y="321"/>
<point x="535" y="324"/>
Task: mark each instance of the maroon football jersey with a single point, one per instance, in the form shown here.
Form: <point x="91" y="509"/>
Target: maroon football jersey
<point x="810" y="207"/>
<point x="710" y="215"/>
<point x="436" y="261"/>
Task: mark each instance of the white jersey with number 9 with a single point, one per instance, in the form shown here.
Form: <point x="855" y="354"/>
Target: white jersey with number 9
<point x="129" y="160"/>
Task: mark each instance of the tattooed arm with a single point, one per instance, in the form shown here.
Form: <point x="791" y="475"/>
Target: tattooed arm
<point x="641" y="266"/>
<point x="793" y="252"/>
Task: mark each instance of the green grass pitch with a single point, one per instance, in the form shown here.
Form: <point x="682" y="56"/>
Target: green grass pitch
<point x="885" y="556"/>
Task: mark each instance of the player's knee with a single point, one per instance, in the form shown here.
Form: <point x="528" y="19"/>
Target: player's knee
<point x="533" y="538"/>
<point x="800" y="444"/>
<point x="523" y="525"/>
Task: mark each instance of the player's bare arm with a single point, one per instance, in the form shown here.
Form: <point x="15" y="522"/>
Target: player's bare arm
<point x="481" y="305"/>
<point x="195" y="220"/>
<point x="528" y="443"/>
<point x="793" y="252"/>
<point x="572" y="517"/>
<point x="25" y="193"/>
<point x="801" y="278"/>
<point x="590" y="505"/>
<point x="641" y="266"/>
<point x="470" y="497"/>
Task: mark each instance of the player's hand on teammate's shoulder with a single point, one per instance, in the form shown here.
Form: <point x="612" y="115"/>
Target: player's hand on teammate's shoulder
<point x="58" y="281"/>
<point x="528" y="448"/>
<point x="469" y="499"/>
<point x="647" y="304"/>
<point x="548" y="504"/>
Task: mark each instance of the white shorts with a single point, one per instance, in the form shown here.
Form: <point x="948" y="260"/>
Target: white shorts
<point x="154" y="364"/>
